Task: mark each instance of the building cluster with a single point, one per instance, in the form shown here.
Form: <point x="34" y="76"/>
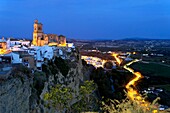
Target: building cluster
<point x="153" y="90"/>
<point x="33" y="54"/>
<point x="12" y="44"/>
<point x="96" y="62"/>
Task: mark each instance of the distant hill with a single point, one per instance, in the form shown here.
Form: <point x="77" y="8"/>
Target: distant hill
<point x="139" y="38"/>
<point x="136" y="38"/>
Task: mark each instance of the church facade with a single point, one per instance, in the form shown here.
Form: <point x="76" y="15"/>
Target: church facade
<point x="3" y="46"/>
<point x="41" y="39"/>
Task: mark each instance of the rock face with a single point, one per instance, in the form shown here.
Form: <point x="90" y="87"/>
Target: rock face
<point x="72" y="79"/>
<point x="24" y="94"/>
<point x="14" y="96"/>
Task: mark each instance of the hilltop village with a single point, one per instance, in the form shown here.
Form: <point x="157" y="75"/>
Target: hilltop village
<point x="32" y="54"/>
<point x="31" y="70"/>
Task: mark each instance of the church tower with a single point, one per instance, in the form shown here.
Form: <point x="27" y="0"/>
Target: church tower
<point x="37" y="33"/>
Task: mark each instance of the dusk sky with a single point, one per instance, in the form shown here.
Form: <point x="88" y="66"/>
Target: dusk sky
<point x="87" y="19"/>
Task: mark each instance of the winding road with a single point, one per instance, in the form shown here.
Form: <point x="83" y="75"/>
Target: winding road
<point x="132" y="93"/>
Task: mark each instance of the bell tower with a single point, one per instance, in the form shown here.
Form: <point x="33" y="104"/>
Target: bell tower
<point x="37" y="33"/>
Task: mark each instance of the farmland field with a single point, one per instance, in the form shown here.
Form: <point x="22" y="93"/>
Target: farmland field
<point x="152" y="69"/>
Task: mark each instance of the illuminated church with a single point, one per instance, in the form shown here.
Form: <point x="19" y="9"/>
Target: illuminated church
<point x="41" y="39"/>
<point x="3" y="46"/>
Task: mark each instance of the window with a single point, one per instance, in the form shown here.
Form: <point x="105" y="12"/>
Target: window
<point x="39" y="28"/>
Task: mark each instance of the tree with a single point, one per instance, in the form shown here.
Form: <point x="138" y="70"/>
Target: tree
<point x="59" y="97"/>
<point x="86" y="97"/>
<point x="62" y="65"/>
<point x="38" y="81"/>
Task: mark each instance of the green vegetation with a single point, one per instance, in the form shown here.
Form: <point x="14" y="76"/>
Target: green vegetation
<point x="167" y="86"/>
<point x="128" y="106"/>
<point x="111" y="84"/>
<point x="50" y="68"/>
<point x="152" y="69"/>
<point x="20" y="70"/>
<point x="150" y="58"/>
<point x="38" y="81"/>
<point x="87" y="98"/>
<point x="102" y="80"/>
<point x="62" y="65"/>
<point x="108" y="65"/>
<point x="53" y="67"/>
<point x="60" y="97"/>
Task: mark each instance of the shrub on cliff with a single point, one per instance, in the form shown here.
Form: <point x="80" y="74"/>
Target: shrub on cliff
<point x="24" y="69"/>
<point x="101" y="78"/>
<point x="53" y="67"/>
<point x="88" y="100"/>
<point x="62" y="65"/>
<point x="128" y="106"/>
<point x="45" y="68"/>
<point x="21" y="71"/>
<point x="38" y="81"/>
<point x="50" y="68"/>
<point x="84" y="62"/>
<point x="60" y="97"/>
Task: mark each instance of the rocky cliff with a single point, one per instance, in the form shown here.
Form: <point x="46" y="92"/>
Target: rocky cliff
<point x="53" y="74"/>
<point x="15" y="92"/>
<point x="22" y="92"/>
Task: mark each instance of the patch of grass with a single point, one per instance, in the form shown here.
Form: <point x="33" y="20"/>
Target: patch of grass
<point x="152" y="69"/>
<point x="167" y="86"/>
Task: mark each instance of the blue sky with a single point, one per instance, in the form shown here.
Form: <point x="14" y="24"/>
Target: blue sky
<point x="87" y="19"/>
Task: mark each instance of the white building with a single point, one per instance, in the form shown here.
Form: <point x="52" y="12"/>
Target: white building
<point x="13" y="58"/>
<point x="19" y="48"/>
<point x="71" y="45"/>
<point x="13" y="42"/>
<point x="42" y="53"/>
<point x="25" y="42"/>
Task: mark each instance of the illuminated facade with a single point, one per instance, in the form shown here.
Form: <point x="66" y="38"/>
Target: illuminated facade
<point x="41" y="39"/>
<point x="3" y="46"/>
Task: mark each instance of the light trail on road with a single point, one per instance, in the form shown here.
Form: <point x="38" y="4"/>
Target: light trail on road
<point x="132" y="92"/>
<point x="118" y="60"/>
